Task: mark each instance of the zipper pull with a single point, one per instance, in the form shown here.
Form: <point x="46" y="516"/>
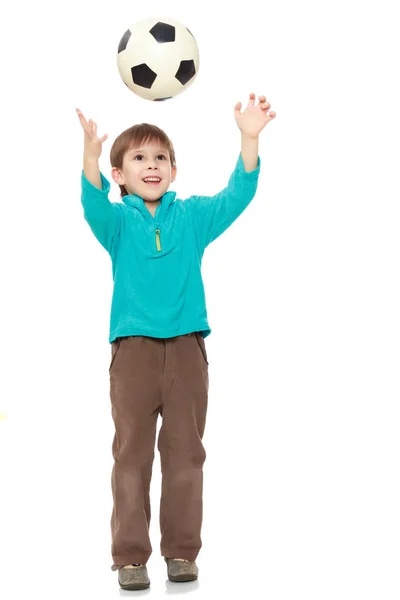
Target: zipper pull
<point x="158" y="243"/>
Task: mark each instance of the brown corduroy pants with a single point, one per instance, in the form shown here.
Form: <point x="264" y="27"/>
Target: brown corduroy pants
<point x="148" y="377"/>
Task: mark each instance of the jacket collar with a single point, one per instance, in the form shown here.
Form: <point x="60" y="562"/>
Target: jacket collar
<point x="137" y="202"/>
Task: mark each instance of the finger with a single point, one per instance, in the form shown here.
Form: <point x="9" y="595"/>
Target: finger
<point x="92" y="127"/>
<point x="85" y="124"/>
<point x="103" y="139"/>
<point x="271" y="116"/>
<point x="238" y="106"/>
<point x="81" y="117"/>
<point x="79" y="113"/>
<point x="252" y="97"/>
<point x="262" y="99"/>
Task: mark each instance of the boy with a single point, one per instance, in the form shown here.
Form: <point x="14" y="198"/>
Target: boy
<point x="157" y="328"/>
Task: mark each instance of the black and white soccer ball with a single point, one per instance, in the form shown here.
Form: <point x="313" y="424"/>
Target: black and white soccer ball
<point x="158" y="58"/>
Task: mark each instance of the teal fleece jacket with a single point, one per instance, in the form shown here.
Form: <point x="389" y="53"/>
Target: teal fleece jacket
<point x="156" y="261"/>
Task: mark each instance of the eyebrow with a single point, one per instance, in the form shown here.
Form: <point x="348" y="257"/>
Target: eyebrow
<point x="141" y="150"/>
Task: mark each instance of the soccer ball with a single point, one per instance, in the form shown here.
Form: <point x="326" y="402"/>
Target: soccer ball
<point x="158" y="58"/>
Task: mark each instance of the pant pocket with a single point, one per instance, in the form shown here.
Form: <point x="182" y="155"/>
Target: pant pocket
<point x="114" y="350"/>
<point x="200" y="340"/>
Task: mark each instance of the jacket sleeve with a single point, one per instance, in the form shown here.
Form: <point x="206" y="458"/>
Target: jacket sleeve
<point x="214" y="214"/>
<point x="104" y="217"/>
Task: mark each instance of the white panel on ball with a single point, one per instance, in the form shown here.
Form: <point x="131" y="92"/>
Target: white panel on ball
<point x="158" y="58"/>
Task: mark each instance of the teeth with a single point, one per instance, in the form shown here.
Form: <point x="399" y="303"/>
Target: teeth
<point x="152" y="179"/>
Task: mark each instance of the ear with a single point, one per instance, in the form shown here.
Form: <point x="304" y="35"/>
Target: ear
<point x="117" y="176"/>
<point x="173" y="173"/>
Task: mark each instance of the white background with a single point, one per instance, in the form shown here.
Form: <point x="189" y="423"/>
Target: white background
<point x="301" y="480"/>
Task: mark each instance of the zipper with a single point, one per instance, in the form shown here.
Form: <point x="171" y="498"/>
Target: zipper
<point x="158" y="242"/>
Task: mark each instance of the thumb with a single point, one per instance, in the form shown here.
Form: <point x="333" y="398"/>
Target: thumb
<point x="103" y="139"/>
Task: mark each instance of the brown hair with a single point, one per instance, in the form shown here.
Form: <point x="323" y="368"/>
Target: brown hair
<point x="133" y="138"/>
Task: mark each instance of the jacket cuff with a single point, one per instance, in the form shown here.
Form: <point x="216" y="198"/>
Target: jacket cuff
<point x="248" y="174"/>
<point x="88" y="186"/>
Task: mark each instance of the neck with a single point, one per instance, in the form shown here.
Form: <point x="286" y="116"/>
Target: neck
<point x="151" y="206"/>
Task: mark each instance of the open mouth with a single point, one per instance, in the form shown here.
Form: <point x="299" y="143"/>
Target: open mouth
<point x="152" y="180"/>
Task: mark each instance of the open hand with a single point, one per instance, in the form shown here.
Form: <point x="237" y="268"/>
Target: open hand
<point x="253" y="120"/>
<point x="92" y="143"/>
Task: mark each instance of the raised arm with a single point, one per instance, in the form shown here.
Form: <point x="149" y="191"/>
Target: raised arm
<point x="251" y="122"/>
<point x="214" y="214"/>
<point x="92" y="147"/>
<point x="103" y="216"/>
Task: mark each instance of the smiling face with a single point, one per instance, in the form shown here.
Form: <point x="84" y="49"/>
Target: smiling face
<point x="146" y="171"/>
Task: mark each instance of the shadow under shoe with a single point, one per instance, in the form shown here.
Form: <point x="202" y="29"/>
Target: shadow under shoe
<point x="180" y="569"/>
<point x="133" y="578"/>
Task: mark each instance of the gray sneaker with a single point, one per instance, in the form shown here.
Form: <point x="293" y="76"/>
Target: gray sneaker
<point x="180" y="569"/>
<point x="133" y="578"/>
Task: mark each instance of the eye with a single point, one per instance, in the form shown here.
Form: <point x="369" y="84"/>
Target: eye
<point x="138" y="156"/>
<point x="162" y="156"/>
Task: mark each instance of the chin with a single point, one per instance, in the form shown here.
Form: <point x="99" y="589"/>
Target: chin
<point x="157" y="194"/>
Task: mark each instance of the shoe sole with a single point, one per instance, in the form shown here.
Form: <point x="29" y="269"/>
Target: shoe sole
<point x="182" y="578"/>
<point x="134" y="586"/>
